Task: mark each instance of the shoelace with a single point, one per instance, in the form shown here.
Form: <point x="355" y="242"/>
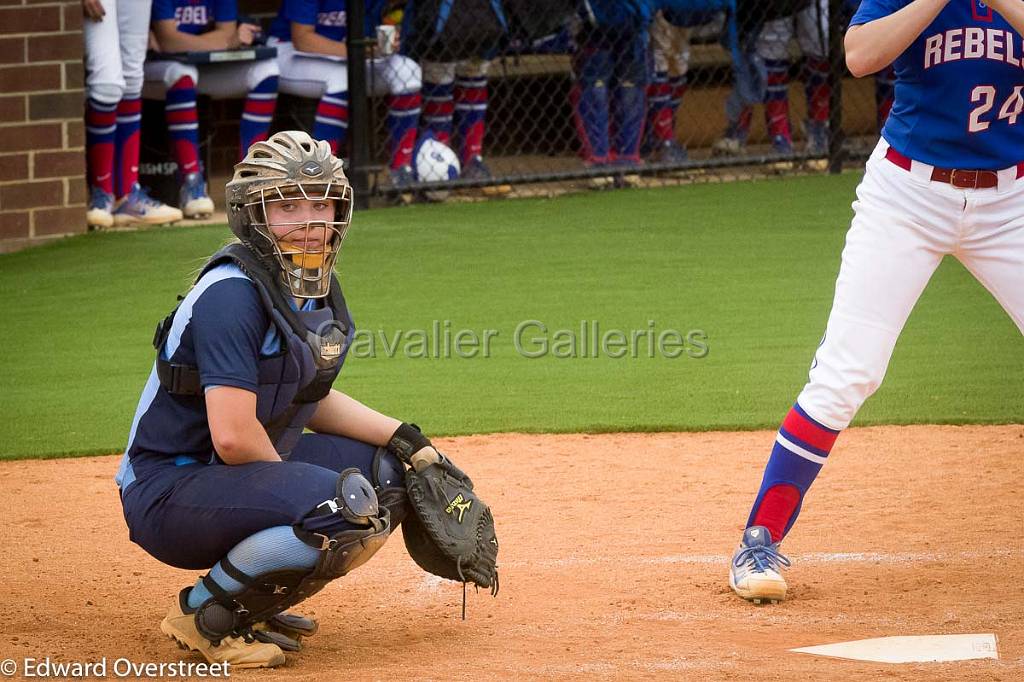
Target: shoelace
<point x="100" y="198"/>
<point x="763" y="557"/>
<point x="139" y="196"/>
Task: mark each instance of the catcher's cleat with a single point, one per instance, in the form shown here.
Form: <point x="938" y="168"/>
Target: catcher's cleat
<point x="239" y="652"/>
<point x="754" y="571"/>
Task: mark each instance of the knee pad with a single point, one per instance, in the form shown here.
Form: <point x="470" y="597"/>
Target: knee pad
<point x="176" y="71"/>
<point x="360" y="528"/>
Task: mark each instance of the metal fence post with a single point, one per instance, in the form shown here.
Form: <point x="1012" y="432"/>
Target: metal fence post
<point x="359" y="111"/>
<point x="836" y="73"/>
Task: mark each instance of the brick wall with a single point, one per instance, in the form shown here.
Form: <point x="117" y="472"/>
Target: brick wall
<point x="42" y="135"/>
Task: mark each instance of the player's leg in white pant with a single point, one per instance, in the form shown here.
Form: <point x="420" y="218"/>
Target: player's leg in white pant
<point x="471" y="115"/>
<point x="901" y="229"/>
<point x="134" y="205"/>
<point x="104" y="86"/>
<point x="812" y="35"/>
<point x="439" y="100"/>
<point x="993" y="247"/>
<point x="773" y="49"/>
<point x="320" y="77"/>
<point x="178" y="86"/>
<point x="257" y="82"/>
<point x="401" y="79"/>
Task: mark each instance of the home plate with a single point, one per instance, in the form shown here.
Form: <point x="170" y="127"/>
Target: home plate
<point x="910" y="649"/>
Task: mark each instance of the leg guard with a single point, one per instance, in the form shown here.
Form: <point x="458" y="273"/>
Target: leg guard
<point x="328" y="528"/>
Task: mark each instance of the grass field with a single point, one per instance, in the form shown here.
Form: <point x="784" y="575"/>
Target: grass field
<point x="751" y="264"/>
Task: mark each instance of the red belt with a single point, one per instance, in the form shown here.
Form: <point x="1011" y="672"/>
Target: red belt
<point x="963" y="179"/>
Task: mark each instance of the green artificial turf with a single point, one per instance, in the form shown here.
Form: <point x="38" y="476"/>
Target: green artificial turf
<point x="750" y="264"/>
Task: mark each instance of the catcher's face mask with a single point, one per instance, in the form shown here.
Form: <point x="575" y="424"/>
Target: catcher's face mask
<point x="305" y="224"/>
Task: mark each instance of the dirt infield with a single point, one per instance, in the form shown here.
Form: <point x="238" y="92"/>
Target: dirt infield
<point x="614" y="552"/>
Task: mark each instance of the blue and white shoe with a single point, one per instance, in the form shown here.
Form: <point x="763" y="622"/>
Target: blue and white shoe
<point x="193" y="199"/>
<point x="817" y="137"/>
<point x="754" y="573"/>
<point x="138" y="208"/>
<point x="101" y="209"/>
<point x="402" y="176"/>
<point x="782" y="145"/>
<point x="476" y="169"/>
<point x="670" y="151"/>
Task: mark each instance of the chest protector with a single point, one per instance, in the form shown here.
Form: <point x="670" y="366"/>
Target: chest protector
<point x="291" y="382"/>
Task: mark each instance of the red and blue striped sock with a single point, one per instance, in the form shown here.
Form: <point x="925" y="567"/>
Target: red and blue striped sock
<point x="100" y="127"/>
<point x="659" y="107"/>
<point x="257" y="114"/>
<point x="331" y="122"/>
<point x="438" y="110"/>
<point x="403" y="120"/>
<point x="816" y="88"/>
<point x="183" y="124"/>
<point x="126" y="142"/>
<point x="471" y="115"/>
<point x="801" y="449"/>
<point x="776" y="104"/>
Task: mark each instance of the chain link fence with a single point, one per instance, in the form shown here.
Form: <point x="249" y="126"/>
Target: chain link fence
<point x="476" y="98"/>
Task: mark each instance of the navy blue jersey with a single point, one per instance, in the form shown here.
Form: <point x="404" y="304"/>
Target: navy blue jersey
<point x="329" y="16"/>
<point x="222" y="328"/>
<point x="958" y="101"/>
<point x="195" y="16"/>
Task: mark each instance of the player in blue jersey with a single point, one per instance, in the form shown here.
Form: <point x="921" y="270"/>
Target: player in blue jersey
<point x="947" y="178"/>
<point x="198" y="26"/>
<point x="218" y="473"/>
<point x="310" y="37"/>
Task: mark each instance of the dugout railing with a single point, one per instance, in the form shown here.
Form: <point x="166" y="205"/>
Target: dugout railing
<point x="736" y="84"/>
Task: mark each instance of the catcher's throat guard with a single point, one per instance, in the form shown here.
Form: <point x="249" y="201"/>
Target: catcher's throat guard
<point x="342" y="551"/>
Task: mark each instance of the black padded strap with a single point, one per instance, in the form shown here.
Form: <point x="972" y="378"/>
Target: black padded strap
<point x="178" y="379"/>
<point x="234" y="572"/>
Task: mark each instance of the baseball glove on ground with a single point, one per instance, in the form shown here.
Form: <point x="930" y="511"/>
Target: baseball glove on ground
<point x="451" y="531"/>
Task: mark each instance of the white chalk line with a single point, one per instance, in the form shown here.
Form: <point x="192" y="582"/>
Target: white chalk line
<point x="810" y="558"/>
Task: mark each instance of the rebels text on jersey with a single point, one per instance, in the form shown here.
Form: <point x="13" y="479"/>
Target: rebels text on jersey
<point x="195" y="16"/>
<point x="329" y="16"/>
<point x="959" y="88"/>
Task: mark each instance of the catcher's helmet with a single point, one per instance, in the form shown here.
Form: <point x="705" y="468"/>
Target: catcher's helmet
<point x="291" y="165"/>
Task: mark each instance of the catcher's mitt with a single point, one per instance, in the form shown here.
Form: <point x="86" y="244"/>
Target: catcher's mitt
<point x="451" y="531"/>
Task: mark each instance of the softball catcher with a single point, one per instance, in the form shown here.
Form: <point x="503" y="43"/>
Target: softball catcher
<point x="218" y="473"/>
